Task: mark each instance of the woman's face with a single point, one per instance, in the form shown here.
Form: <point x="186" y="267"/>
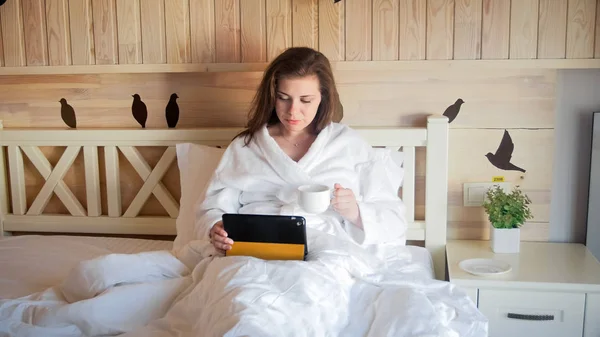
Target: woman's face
<point x="296" y="102"/>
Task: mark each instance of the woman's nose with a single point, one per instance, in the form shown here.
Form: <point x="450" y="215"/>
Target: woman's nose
<point x="294" y="107"/>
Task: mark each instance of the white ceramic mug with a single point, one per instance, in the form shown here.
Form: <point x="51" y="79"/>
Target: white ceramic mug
<point x="314" y="198"/>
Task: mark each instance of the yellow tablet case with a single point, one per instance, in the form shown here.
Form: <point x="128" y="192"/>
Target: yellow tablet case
<point x="268" y="237"/>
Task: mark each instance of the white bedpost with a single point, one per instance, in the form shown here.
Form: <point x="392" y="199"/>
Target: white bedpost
<point x="436" y="192"/>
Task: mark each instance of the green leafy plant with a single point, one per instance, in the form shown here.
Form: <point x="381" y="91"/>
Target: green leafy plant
<point x="507" y="210"/>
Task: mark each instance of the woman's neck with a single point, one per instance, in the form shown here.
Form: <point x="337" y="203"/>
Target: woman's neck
<point x="292" y="134"/>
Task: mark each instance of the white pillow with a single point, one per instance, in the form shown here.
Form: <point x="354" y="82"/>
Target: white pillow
<point x="197" y="164"/>
<point x="394" y="163"/>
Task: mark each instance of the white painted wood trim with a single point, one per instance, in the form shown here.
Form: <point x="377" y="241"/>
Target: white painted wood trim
<point x="152" y="182"/>
<point x="113" y="182"/>
<point x="143" y="225"/>
<point x="408" y="186"/>
<point x="92" y="180"/>
<point x="382" y="136"/>
<point x="100" y="224"/>
<point x="436" y="192"/>
<point x="17" y="180"/>
<point x="64" y="163"/>
<point x="63" y="192"/>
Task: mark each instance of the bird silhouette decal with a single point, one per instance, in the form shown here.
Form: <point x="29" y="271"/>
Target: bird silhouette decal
<point x="452" y="111"/>
<point x="67" y="114"/>
<point x="501" y="159"/>
<point x="172" y="111"/>
<point x="139" y="110"/>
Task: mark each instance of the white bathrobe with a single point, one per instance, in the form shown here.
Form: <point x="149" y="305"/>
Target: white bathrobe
<point x="262" y="179"/>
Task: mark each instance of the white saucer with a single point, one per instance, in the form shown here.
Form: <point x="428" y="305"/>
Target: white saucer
<point x="484" y="267"/>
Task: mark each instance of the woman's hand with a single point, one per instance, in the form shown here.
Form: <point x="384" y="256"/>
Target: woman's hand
<point x="219" y="239"/>
<point x="344" y="202"/>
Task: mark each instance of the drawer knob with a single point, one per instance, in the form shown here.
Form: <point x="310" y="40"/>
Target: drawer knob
<point x="531" y="317"/>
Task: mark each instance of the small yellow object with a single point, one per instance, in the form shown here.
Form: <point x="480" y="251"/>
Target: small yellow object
<point x="498" y="179"/>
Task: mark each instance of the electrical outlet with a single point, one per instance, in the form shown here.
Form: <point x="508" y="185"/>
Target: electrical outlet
<point x="474" y="193"/>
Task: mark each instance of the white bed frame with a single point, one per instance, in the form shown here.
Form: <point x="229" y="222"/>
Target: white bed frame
<point x="16" y="216"/>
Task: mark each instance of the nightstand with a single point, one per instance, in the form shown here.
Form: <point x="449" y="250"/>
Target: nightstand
<point x="553" y="289"/>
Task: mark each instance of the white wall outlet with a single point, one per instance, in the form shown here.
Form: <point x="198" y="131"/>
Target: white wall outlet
<point x="474" y="193"/>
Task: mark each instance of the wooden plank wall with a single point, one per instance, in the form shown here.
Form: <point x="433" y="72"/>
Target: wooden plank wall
<point x="88" y="32"/>
<point x="520" y="101"/>
<point x="47" y="33"/>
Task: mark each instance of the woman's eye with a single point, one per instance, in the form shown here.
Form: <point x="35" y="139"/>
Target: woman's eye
<point x="307" y="102"/>
<point x="281" y="98"/>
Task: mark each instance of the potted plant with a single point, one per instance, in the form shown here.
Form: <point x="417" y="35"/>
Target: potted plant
<point x="507" y="212"/>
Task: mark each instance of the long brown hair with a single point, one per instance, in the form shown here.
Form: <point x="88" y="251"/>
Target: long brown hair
<point x="293" y="62"/>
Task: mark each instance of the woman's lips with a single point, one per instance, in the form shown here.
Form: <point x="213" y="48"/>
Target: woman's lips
<point x="293" y="121"/>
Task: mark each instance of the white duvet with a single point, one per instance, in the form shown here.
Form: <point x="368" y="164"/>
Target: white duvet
<point x="355" y="282"/>
<point x="341" y="290"/>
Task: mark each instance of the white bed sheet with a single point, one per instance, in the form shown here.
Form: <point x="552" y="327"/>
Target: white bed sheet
<point x="32" y="263"/>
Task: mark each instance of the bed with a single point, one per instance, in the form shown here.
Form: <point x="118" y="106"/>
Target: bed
<point x="34" y="267"/>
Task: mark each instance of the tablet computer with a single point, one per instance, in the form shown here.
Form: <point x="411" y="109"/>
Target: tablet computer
<point x="268" y="237"/>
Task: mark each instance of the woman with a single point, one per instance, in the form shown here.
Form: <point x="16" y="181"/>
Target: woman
<point x="290" y="140"/>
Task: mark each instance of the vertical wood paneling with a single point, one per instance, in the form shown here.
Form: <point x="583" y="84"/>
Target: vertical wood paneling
<point x="59" y="32"/>
<point x="467" y="29"/>
<point x="524" y="29"/>
<point x="105" y="31"/>
<point x="11" y="19"/>
<point x="130" y="31"/>
<point x="440" y="29"/>
<point x="305" y="23"/>
<point x="1" y="46"/>
<point x="177" y="14"/>
<point x="359" y="30"/>
<point x="82" y="32"/>
<point x="412" y="31"/>
<point x="495" y="35"/>
<point x="386" y="14"/>
<point x="279" y="27"/>
<point x="253" y="30"/>
<point x="227" y="20"/>
<point x="581" y="23"/>
<point x="154" y="49"/>
<point x="332" y="31"/>
<point x="34" y="26"/>
<point x="202" y="21"/>
<point x="552" y="33"/>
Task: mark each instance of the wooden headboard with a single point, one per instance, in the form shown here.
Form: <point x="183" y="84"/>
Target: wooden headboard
<point x="17" y="214"/>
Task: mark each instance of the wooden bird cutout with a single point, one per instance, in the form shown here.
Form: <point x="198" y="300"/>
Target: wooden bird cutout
<point x="501" y="159"/>
<point x="139" y="110"/>
<point x="172" y="111"/>
<point x="452" y="111"/>
<point x="67" y="114"/>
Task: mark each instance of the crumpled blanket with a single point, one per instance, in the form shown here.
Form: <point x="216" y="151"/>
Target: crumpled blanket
<point x="341" y="290"/>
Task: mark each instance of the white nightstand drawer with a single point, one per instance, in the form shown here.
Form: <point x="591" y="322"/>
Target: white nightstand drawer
<point x="530" y="313"/>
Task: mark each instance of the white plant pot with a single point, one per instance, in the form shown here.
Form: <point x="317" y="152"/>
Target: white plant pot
<point x="505" y="240"/>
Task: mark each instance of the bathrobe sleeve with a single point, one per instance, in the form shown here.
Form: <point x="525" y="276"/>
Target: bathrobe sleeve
<point x="381" y="209"/>
<point x="221" y="197"/>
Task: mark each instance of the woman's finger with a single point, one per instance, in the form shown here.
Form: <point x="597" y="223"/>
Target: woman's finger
<point x="222" y="239"/>
<point x="220" y="231"/>
<point x="222" y="246"/>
